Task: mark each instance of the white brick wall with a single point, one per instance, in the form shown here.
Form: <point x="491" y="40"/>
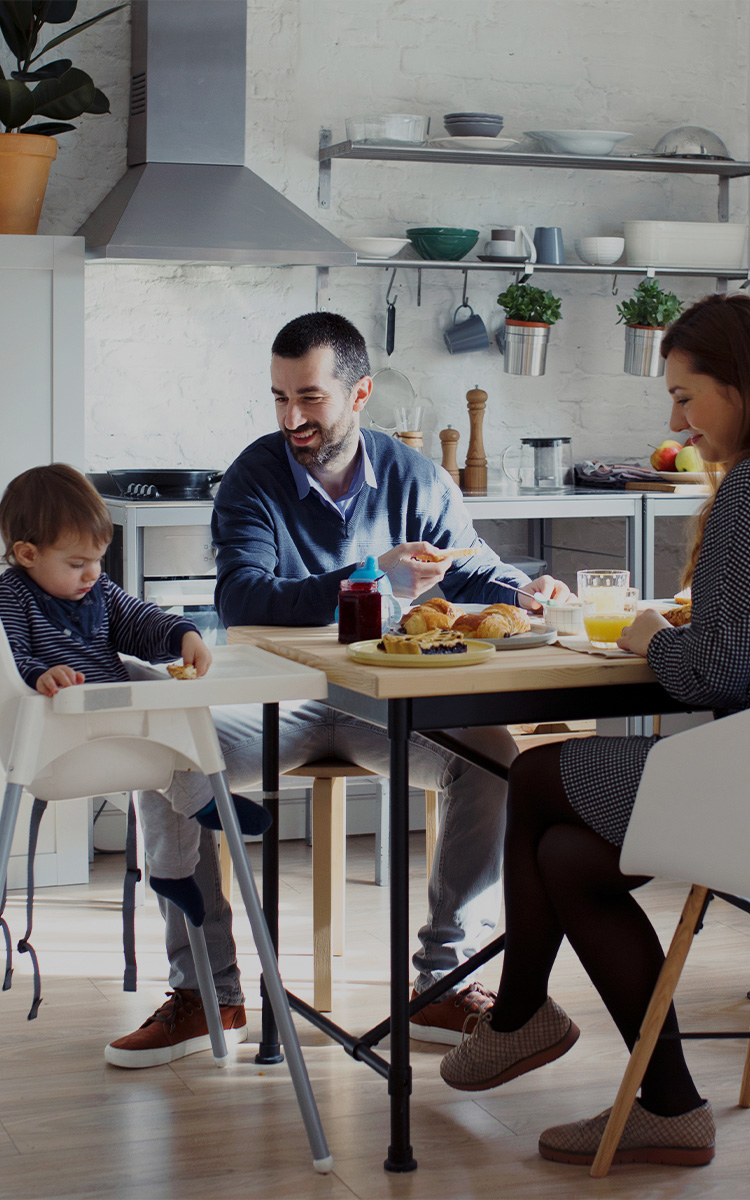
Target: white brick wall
<point x="177" y="358"/>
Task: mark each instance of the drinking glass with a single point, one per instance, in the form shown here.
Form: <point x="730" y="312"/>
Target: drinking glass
<point x="607" y="612"/>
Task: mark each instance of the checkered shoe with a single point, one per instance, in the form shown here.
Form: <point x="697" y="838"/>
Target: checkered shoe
<point x="684" y="1141"/>
<point x="485" y="1058"/>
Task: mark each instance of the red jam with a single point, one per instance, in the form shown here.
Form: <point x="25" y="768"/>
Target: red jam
<point x="359" y="610"/>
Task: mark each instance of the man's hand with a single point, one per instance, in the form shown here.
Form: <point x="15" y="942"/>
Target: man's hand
<point x="547" y="586"/>
<point x="51" y="681"/>
<point x="195" y="652"/>
<point x="410" y="577"/>
<point x="637" y="637"/>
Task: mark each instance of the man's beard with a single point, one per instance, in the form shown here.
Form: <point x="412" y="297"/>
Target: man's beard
<point x="333" y="442"/>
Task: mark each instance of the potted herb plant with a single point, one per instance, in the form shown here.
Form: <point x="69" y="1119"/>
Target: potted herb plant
<point x="646" y="316"/>
<point x="529" y="313"/>
<point x="59" y="91"/>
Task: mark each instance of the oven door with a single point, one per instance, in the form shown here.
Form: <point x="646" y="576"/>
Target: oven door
<point x="191" y="598"/>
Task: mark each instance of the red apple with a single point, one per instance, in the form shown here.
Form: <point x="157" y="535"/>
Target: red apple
<point x="664" y="455"/>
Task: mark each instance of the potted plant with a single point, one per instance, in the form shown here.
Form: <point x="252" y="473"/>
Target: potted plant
<point x="59" y="91"/>
<point x="529" y="313"/>
<point x="646" y="316"/>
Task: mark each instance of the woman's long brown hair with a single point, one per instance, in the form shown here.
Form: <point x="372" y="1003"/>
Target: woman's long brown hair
<point x="715" y="334"/>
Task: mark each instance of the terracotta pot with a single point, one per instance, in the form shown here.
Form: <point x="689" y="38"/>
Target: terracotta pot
<point x="25" y="160"/>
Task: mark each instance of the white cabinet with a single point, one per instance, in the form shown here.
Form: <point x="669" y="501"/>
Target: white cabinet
<point x="41" y="351"/>
<point x="42" y="420"/>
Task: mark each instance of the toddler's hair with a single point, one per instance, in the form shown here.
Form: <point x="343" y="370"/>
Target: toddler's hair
<point x="45" y="503"/>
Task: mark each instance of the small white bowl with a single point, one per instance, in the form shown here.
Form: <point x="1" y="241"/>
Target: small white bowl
<point x="564" y="616"/>
<point x="600" y="251"/>
<point x="577" y="141"/>
<point x="377" y="247"/>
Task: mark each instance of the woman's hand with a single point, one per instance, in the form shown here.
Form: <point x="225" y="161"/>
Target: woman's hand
<point x="547" y="586"/>
<point x="637" y="637"/>
<point x="195" y="652"/>
<point x="51" y="681"/>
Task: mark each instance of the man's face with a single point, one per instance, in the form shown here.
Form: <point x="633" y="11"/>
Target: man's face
<point x="316" y="413"/>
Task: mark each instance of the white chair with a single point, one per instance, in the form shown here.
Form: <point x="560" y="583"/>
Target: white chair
<point x="691" y="822"/>
<point x="129" y="736"/>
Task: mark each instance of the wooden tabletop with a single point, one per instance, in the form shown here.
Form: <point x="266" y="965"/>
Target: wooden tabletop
<point x="545" y="667"/>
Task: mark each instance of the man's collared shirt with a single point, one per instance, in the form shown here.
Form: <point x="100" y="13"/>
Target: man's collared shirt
<point x="364" y="474"/>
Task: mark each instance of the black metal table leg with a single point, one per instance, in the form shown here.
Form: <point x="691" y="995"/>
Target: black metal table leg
<point x="269" y="1050"/>
<point x="400" y="1157"/>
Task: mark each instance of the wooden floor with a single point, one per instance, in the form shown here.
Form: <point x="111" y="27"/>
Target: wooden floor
<point x="70" y="1126"/>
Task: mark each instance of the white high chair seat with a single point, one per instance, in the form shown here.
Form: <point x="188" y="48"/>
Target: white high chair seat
<point x="691" y="822"/>
<point x="133" y="735"/>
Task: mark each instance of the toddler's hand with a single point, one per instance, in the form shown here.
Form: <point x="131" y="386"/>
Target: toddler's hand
<point x="195" y="652"/>
<point x="58" y="677"/>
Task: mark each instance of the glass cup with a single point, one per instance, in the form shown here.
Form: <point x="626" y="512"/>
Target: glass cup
<point x="605" y="615"/>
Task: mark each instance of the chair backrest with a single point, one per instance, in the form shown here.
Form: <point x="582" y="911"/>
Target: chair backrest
<point x="12" y="688"/>
<point x="691" y="819"/>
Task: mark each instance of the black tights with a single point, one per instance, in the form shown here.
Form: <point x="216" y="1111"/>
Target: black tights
<point x="563" y="879"/>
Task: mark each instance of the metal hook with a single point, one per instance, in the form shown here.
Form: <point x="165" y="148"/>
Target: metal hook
<point x="465" y="300"/>
<point x="390" y="285"/>
<point x="614" y="285"/>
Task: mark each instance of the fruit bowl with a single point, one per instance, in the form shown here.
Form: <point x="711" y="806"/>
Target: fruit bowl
<point x="442" y="242"/>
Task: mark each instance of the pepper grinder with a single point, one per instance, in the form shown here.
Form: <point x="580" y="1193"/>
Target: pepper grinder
<point x="449" y="439"/>
<point x="475" y="473"/>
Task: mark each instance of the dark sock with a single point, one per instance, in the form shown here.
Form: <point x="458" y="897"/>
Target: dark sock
<point x="185" y="893"/>
<point x="253" y="818"/>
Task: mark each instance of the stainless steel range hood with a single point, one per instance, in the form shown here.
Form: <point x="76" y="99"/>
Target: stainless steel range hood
<point x="187" y="196"/>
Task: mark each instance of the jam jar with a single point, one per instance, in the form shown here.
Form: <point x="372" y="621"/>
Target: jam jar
<point x="359" y="610"/>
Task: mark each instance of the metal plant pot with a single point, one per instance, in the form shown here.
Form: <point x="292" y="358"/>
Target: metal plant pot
<point x="643" y="350"/>
<point x="523" y="345"/>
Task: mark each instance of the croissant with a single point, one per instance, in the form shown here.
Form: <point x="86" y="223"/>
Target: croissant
<point x="468" y="623"/>
<point x="503" y="620"/>
<point x="444" y="606"/>
<point x="423" y="618"/>
<point x="682" y="615"/>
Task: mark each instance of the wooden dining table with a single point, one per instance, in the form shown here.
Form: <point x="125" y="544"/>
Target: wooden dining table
<point x="544" y="683"/>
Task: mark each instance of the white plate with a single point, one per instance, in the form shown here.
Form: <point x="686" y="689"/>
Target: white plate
<point x="473" y="143"/>
<point x="525" y="641"/>
<point x="683" y="476"/>
<point x="367" y="652"/>
<point x="581" y="643"/>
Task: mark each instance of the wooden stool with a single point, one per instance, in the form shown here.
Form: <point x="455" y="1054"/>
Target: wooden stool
<point x="329" y="862"/>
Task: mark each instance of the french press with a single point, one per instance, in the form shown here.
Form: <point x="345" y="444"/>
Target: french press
<point x="545" y="464"/>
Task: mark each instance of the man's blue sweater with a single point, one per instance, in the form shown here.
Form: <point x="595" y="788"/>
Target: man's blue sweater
<point x="280" y="559"/>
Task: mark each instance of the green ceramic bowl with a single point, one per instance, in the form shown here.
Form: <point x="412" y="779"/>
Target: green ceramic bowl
<point x="443" y="242"/>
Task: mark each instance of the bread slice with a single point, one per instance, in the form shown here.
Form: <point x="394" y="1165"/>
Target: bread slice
<point x="182" y="671"/>
<point x="681" y="615"/>
<point x="441" y="555"/>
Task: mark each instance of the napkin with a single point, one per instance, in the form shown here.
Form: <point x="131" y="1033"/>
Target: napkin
<point x="582" y="644"/>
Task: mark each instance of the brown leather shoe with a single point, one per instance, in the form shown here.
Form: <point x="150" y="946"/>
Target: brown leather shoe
<point x="444" y="1021"/>
<point x="176" y="1029"/>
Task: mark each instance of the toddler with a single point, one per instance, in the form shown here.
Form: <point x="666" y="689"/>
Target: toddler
<point x="67" y="623"/>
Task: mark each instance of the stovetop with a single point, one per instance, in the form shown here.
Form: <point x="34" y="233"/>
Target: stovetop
<point x="166" y="487"/>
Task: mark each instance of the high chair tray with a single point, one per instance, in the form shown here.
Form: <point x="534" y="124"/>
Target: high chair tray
<point x="239" y="674"/>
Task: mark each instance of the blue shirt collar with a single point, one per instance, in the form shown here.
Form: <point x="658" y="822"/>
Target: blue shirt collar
<point x="364" y="474"/>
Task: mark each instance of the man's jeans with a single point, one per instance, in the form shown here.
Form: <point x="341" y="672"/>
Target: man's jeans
<point x="464" y="888"/>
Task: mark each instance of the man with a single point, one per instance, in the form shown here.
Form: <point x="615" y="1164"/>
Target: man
<point x="295" y="513"/>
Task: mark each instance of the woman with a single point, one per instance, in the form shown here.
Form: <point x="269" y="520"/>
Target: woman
<point x="569" y="805"/>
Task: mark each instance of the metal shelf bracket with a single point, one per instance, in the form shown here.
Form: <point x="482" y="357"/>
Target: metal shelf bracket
<point x="324" y="172"/>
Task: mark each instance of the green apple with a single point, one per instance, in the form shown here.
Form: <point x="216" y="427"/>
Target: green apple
<point x="689" y="459"/>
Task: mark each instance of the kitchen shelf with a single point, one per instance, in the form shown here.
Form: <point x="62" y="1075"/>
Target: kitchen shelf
<point x="430" y="264"/>
<point x="517" y="158"/>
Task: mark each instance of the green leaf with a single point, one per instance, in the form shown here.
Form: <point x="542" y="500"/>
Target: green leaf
<point x="63" y="37"/>
<point x="51" y="70"/>
<point x="66" y="97"/>
<point x="100" y="103"/>
<point x="17" y="25"/>
<point x="55" y="12"/>
<point x="48" y="128"/>
<point x="16" y="104"/>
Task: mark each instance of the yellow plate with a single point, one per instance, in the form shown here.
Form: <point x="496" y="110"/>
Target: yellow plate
<point x="367" y="652"/>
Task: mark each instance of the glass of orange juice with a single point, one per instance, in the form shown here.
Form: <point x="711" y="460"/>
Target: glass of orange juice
<point x="605" y="616"/>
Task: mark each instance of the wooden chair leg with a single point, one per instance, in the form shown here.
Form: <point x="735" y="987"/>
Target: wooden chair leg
<point x="431" y="806"/>
<point x="227" y="868"/>
<point x="328" y="855"/>
<point x="745" y="1087"/>
<point x="650" y="1029"/>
